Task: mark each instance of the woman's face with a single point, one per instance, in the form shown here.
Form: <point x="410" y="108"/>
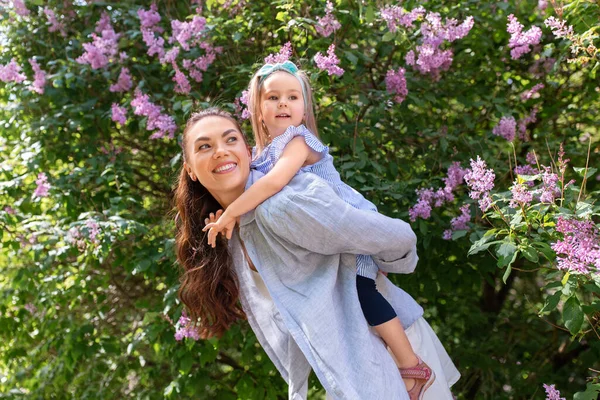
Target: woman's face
<point x="217" y="157"/>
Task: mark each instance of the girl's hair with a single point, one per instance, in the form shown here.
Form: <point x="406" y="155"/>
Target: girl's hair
<point x="209" y="287"/>
<point x="254" y="103"/>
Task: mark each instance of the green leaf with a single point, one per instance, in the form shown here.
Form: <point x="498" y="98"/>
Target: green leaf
<point x="530" y="254"/>
<point x="573" y="315"/>
<point x="590" y="171"/>
<point x="591" y="392"/>
<point x="370" y="14"/>
<point x="507" y="272"/>
<point x="483" y="244"/>
<point x="551" y="302"/>
<point x="507" y="253"/>
<point x="388" y="36"/>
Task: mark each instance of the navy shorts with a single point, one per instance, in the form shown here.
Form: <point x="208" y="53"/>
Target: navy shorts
<point x="375" y="307"/>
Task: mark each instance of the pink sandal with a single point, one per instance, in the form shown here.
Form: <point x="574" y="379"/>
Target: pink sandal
<point x="423" y="376"/>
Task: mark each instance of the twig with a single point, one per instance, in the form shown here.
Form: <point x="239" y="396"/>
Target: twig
<point x="587" y="160"/>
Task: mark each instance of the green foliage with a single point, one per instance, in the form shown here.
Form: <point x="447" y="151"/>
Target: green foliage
<point x="89" y="280"/>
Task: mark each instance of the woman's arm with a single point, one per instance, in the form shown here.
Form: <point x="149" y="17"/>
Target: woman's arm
<point x="294" y="156"/>
<point x="308" y="214"/>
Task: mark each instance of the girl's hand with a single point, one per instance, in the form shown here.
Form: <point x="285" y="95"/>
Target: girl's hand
<point x="220" y="223"/>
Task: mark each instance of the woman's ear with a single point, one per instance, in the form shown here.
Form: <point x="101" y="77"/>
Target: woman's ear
<point x="189" y="171"/>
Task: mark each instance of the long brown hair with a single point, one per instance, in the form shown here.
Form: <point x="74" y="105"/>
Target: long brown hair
<point x="209" y="287"/>
<point x="254" y="104"/>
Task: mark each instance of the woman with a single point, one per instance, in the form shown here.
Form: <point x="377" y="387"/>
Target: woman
<point x="302" y="305"/>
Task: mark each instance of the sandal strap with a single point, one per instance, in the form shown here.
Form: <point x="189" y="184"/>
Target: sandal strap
<point x="416" y="373"/>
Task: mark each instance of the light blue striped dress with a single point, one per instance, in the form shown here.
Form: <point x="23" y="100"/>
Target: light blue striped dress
<point x="325" y="169"/>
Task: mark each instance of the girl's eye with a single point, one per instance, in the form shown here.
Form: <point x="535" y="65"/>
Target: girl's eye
<point x="272" y="97"/>
<point x="293" y="97"/>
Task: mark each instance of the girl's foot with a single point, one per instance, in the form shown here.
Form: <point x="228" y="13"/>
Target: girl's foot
<point x="422" y="376"/>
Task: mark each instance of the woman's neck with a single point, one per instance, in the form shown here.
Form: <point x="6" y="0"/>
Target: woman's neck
<point x="226" y="198"/>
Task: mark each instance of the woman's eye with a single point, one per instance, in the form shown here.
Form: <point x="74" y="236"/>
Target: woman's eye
<point x="203" y="147"/>
<point x="232" y="139"/>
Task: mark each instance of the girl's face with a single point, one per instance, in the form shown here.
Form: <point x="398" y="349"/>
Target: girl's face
<point x="218" y="157"/>
<point x="281" y="102"/>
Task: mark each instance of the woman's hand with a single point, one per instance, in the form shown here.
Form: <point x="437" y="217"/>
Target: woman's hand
<point x="221" y="223"/>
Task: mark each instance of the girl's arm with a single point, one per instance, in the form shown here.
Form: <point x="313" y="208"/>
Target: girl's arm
<point x="294" y="156"/>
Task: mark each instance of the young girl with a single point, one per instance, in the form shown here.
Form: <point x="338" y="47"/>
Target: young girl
<point x="280" y="105"/>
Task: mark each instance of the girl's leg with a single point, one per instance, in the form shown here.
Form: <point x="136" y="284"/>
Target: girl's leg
<point x="382" y="317"/>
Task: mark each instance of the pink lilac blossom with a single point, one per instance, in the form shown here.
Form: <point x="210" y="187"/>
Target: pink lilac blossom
<point x="20" y="8"/>
<point x="552" y="393"/>
<point x="549" y="189"/>
<point x="119" y="114"/>
<point x="43" y="186"/>
<point x="329" y="63"/>
<point x="149" y="18"/>
<point x="93" y="230"/>
<point x="520" y="41"/>
<point x="528" y="94"/>
<point x="9" y="210"/>
<point x="455" y="177"/>
<point x="103" y="48"/>
<point x="242" y="111"/>
<point x="123" y="56"/>
<point x="531" y="158"/>
<point x="506" y="128"/>
<point x="580" y="248"/>
<point x="480" y="181"/>
<point x="39" y="78"/>
<point x="328" y="24"/>
<point x="542" y="5"/>
<point x="431" y="60"/>
<point x="124" y="82"/>
<point x="156" y="44"/>
<point x="55" y="24"/>
<point x="421" y="209"/>
<point x="396" y="16"/>
<point x="520" y="195"/>
<point x="531" y="118"/>
<point x="11" y="72"/>
<point x="186" y="329"/>
<point x="164" y="124"/>
<point x="459" y="223"/>
<point x="435" y="32"/>
<point x="170" y="56"/>
<point x="183" y="32"/>
<point x="103" y="23"/>
<point x="182" y="83"/>
<point x="395" y="83"/>
<point x="559" y="28"/>
<point x="284" y="54"/>
<point x="234" y="9"/>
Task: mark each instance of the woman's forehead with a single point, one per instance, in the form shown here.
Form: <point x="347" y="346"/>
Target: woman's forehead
<point x="211" y="127"/>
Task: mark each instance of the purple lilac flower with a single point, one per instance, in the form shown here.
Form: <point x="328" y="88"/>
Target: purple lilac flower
<point x="39" y="78"/>
<point x="234" y="9"/>
<point x="119" y="114"/>
<point x="559" y="28"/>
<point x="186" y="329"/>
<point x="156" y="120"/>
<point x="284" y="54"/>
<point x="182" y="83"/>
<point x="442" y="195"/>
<point x="531" y="158"/>
<point x="9" y="210"/>
<point x="149" y="18"/>
<point x="395" y="83"/>
<point x="103" y="23"/>
<point x="549" y="190"/>
<point x="42" y="186"/>
<point x="396" y="16"/>
<point x="506" y="128"/>
<point x="421" y="209"/>
<point x="156" y="44"/>
<point x="520" y="41"/>
<point x="328" y="24"/>
<point x="435" y="32"/>
<point x="520" y="195"/>
<point x="20" y="8"/>
<point x="531" y="118"/>
<point x="93" y="230"/>
<point x="55" y="24"/>
<point x="552" y="393"/>
<point x="11" y="72"/>
<point x="455" y="177"/>
<point x="183" y="32"/>
<point x="460" y="222"/>
<point x="329" y="63"/>
<point x="431" y="60"/>
<point x="542" y="5"/>
<point x="170" y="56"/>
<point x="243" y="111"/>
<point x="529" y="93"/>
<point x="447" y="235"/>
<point x="480" y="181"/>
<point x="103" y="48"/>
<point x="31" y="308"/>
<point x="580" y="247"/>
<point x="123" y="83"/>
<point x="542" y="66"/>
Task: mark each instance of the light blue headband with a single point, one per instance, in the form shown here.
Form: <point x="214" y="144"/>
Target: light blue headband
<point x="287" y="66"/>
